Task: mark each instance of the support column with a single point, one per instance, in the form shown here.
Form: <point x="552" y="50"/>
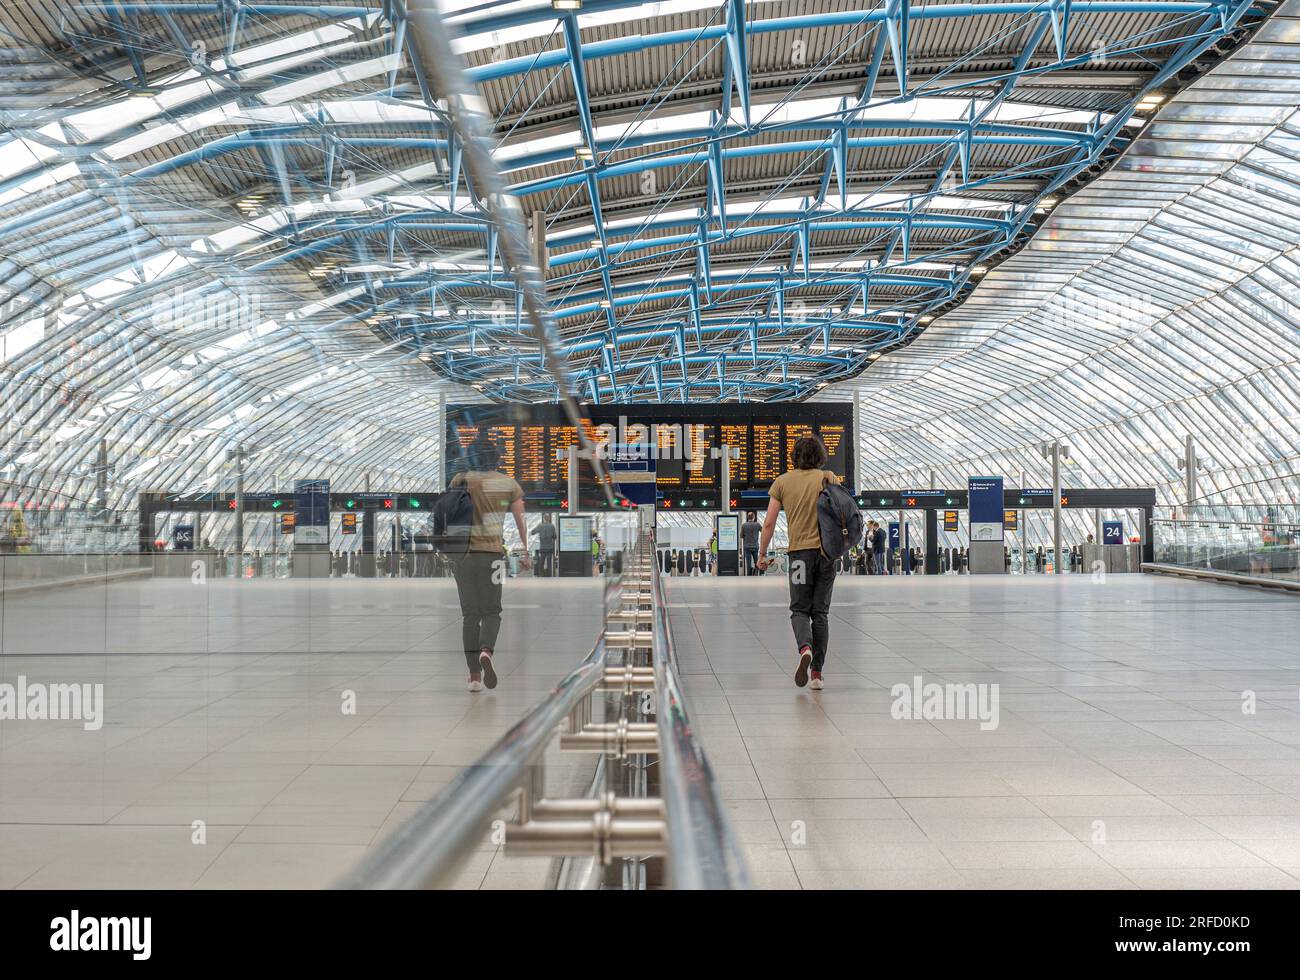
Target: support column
<point x="1056" y="507"/>
<point x="931" y="541"/>
<point x="239" y="510"/>
<point x="858" y="462"/>
<point x="572" y="456"/>
<point x="440" y="478"/>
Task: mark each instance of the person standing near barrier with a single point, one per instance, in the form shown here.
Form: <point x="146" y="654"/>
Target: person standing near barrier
<point x="879" y="544"/>
<point x="749" y="534"/>
<point x="481" y="571"/>
<point x="546" y="536"/>
<point x="811" y="573"/>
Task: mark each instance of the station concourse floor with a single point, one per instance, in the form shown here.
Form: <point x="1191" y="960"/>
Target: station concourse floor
<point x="224" y="704"/>
<point x="1120" y="715"/>
<point x="1122" y="759"/>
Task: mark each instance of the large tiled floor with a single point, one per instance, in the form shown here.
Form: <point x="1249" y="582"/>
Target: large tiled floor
<point x="1123" y="758"/>
<point x="224" y="705"/>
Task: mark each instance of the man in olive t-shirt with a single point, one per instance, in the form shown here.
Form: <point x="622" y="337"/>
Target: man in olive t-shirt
<point x="812" y="574"/>
<point x="481" y="571"/>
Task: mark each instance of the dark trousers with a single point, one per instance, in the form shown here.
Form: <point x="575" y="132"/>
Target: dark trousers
<point x="546" y="563"/>
<point x="812" y="577"/>
<point x="479" y="575"/>
<point x="751" y="561"/>
<point x="881" y="566"/>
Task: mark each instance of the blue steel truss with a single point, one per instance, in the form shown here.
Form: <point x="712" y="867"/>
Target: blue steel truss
<point x="706" y="291"/>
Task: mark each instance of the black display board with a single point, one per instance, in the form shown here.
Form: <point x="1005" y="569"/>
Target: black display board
<point x="527" y="437"/>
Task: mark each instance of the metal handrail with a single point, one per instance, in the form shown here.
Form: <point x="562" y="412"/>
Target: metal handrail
<point x="1219" y="521"/>
<point x="1214" y="575"/>
<point x="430" y="847"/>
<point x="702" y="848"/>
<point x="705" y="852"/>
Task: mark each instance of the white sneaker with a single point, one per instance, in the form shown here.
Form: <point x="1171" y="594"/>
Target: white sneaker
<point x="816" y="684"/>
<point x="475" y="686"/>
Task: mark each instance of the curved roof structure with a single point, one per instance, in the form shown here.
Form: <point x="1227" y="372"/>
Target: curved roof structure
<point x="247" y="224"/>
<point x="1157" y="303"/>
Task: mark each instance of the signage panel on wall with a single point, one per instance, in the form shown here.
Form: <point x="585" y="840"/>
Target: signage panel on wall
<point x="311" y="512"/>
<point x="575" y="534"/>
<point x="728" y="532"/>
<point x="985" y="503"/>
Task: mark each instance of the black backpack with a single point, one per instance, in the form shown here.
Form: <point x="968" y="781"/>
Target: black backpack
<point x="453" y="519"/>
<point x="839" y="519"/>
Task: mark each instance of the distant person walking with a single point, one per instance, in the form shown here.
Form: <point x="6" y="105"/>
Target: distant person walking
<point x="482" y="569"/>
<point x="546" y="536"/>
<point x="749" y="534"/>
<point x="811" y="573"/>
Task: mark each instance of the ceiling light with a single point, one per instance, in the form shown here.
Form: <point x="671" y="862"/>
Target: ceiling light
<point x="604" y="304"/>
<point x="584" y="153"/>
<point x="979" y="270"/>
<point x="873" y="355"/>
<point x="1048" y="202"/>
<point x="566" y="4"/>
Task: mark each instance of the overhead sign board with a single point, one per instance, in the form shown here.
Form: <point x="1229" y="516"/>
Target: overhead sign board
<point x="984" y="495"/>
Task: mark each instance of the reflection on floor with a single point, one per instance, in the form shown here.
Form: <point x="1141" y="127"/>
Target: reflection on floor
<point x="224" y="704"/>
<point x="1122" y="757"/>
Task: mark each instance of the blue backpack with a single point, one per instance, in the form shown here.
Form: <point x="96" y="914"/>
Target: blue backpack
<point x="839" y="521"/>
<point x="453" y="520"/>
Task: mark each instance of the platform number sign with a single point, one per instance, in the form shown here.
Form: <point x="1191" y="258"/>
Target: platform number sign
<point x="1112" y="532"/>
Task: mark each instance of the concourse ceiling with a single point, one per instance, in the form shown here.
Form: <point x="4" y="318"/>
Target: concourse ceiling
<point x="247" y="223"/>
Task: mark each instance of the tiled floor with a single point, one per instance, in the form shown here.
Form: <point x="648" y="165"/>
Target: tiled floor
<point x="224" y="704"/>
<point x="1122" y="757"/>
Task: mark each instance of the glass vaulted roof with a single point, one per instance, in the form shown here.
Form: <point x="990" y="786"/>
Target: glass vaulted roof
<point x="230" y="225"/>
<point x="1161" y="301"/>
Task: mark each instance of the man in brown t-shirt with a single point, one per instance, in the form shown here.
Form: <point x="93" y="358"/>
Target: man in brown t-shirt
<point x="812" y="574"/>
<point x="482" y="570"/>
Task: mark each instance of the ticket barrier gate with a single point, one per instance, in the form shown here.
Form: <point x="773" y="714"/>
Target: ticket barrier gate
<point x="1118" y="558"/>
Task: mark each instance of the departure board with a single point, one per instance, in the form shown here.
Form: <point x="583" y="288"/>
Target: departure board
<point x="503" y="437"/>
<point x="737" y="436"/>
<point x="768" y="461"/>
<point x="832" y="436"/>
<point x="465" y="436"/>
<point x="701" y="467"/>
<point x="794" y="431"/>
<point x="559" y="437"/>
<point x="670" y="468"/>
<point x="532" y="457"/>
<point x="682" y="437"/>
